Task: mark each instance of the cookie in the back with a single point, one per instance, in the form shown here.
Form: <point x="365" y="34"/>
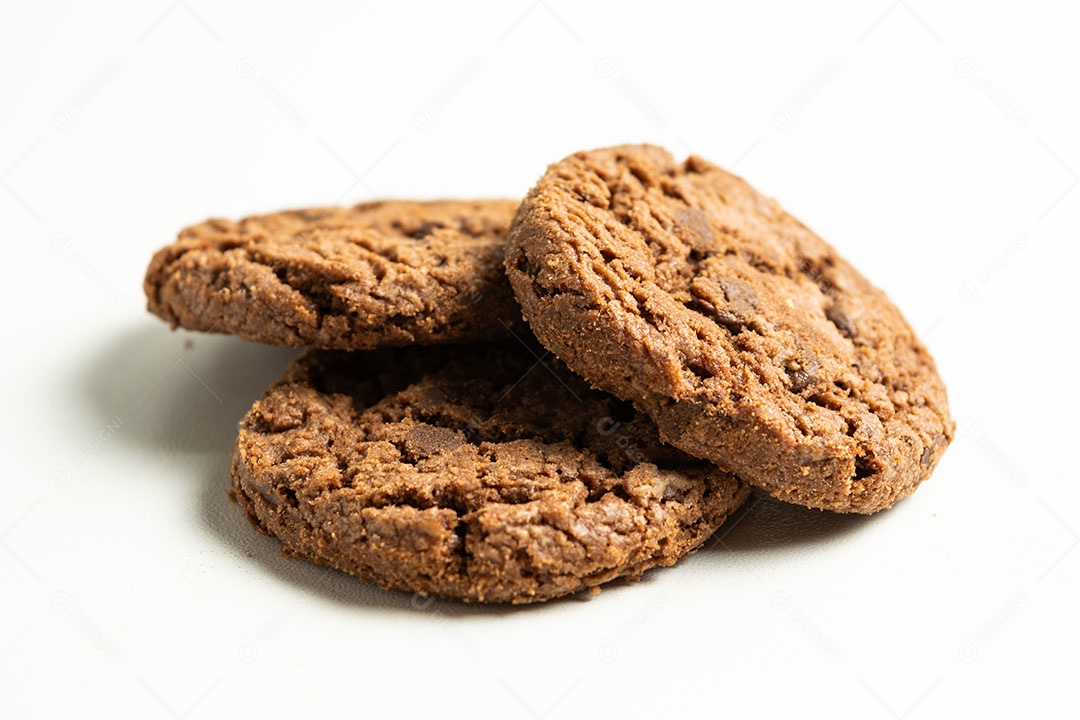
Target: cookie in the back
<point x="744" y="335"/>
<point x="378" y="274"/>
<point x="474" y="472"/>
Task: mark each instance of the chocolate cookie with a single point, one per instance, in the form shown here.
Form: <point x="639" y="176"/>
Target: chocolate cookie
<point x="475" y="472"/>
<point x="378" y="274"/>
<point x="743" y="334"/>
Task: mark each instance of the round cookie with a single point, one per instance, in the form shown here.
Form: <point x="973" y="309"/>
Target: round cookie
<point x="379" y="274"/>
<point x="475" y="472"/>
<point x="743" y="334"/>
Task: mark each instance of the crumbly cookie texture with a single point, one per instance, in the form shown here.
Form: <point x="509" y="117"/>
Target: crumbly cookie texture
<point x="472" y="472"/>
<point x="743" y="334"/>
<point x="378" y="274"/>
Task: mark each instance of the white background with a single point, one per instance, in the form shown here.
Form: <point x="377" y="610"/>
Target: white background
<point x="936" y="147"/>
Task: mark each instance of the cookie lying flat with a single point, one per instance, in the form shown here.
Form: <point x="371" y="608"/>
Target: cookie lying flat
<point x="743" y="334"/>
<point x="469" y="472"/>
<point x="378" y="274"/>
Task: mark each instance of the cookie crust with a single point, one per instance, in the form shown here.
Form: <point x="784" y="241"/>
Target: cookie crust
<point x="378" y="274"/>
<point x="744" y="335"/>
<point x="470" y="472"/>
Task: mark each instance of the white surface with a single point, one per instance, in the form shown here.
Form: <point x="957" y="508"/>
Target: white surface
<point x="935" y="147"/>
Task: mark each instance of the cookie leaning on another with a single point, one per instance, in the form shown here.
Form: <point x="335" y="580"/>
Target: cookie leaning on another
<point x="470" y="471"/>
<point x="744" y="335"/>
<point x="484" y="472"/>
<point x="379" y="274"/>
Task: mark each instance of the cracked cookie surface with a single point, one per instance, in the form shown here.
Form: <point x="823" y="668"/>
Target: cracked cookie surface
<point x="474" y="472"/>
<point x="378" y="274"/>
<point x="744" y="335"/>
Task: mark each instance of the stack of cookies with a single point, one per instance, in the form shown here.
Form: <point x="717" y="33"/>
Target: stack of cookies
<point x="510" y="402"/>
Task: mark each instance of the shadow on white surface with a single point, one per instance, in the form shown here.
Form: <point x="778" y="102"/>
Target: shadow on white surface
<point x="764" y="523"/>
<point x="181" y="395"/>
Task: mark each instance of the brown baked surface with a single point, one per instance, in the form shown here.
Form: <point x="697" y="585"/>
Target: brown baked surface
<point x="743" y="334"/>
<point x="471" y="472"/>
<point x="378" y="274"/>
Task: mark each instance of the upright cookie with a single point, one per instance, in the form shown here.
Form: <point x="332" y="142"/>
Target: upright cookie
<point x="378" y="274"/>
<point x="743" y="334"/>
<point x="474" y="472"/>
